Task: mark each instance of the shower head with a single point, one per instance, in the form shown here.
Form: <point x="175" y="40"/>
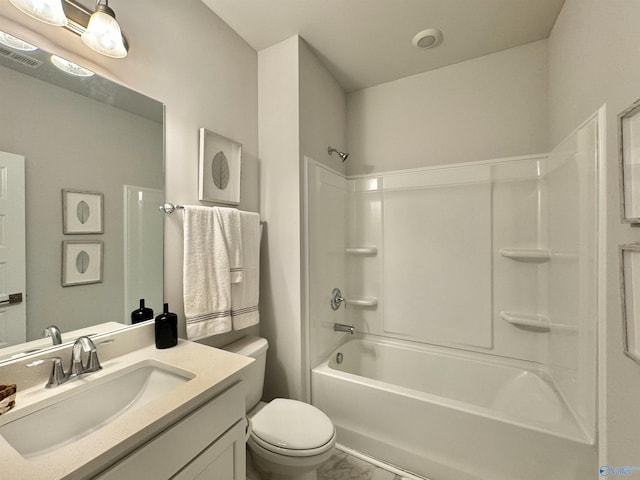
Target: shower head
<point x="343" y="155"/>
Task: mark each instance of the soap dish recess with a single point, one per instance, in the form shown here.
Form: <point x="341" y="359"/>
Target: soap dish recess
<point x="362" y="301"/>
<point x="370" y="250"/>
<point x="535" y="322"/>
<point x="533" y="255"/>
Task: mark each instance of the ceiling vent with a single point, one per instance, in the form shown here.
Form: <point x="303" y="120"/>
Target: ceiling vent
<point x="429" y="38"/>
<point x="21" y="58"/>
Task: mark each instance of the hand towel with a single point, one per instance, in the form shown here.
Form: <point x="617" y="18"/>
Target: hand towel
<point x="229" y="219"/>
<point x="206" y="273"/>
<point x="245" y="295"/>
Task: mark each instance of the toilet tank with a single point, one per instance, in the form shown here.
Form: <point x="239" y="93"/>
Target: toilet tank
<point x="254" y="347"/>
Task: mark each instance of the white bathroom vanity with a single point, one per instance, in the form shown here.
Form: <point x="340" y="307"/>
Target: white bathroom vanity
<point x="148" y="413"/>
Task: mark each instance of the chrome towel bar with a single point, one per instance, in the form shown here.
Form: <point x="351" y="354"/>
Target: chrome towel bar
<point x="170" y="207"/>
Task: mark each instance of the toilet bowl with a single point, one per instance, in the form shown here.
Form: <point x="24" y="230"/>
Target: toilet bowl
<point x="289" y="439"/>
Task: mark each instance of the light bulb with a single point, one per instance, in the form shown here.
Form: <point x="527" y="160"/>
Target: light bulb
<point x="103" y="34"/>
<point x="70" y="67"/>
<point x="16" y="43"/>
<point x="47" y="11"/>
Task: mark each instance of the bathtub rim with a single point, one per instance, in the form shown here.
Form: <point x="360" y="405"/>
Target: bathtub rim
<point x="324" y="368"/>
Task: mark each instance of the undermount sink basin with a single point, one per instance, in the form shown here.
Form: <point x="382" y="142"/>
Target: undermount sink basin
<point x="60" y="421"/>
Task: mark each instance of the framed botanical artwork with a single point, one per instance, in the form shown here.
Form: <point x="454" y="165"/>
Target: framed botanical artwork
<point x="82" y="212"/>
<point x="630" y="290"/>
<point x="82" y="262"/>
<point x="220" y="168"/>
<point x="629" y="158"/>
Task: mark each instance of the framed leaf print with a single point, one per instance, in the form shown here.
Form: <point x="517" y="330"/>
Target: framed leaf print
<point x="220" y="169"/>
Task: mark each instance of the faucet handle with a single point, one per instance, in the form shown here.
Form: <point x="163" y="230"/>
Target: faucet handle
<point x="57" y="375"/>
<point x="336" y="299"/>
<point x="93" y="364"/>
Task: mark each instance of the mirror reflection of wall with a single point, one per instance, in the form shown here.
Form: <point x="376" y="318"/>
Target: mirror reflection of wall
<point x="70" y="141"/>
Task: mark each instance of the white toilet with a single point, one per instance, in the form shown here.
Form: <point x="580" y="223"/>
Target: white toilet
<point x="289" y="439"/>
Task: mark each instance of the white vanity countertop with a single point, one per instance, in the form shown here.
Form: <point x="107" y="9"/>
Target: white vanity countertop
<point x="214" y="371"/>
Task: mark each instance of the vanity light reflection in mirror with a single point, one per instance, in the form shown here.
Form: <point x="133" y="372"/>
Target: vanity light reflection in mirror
<point x="88" y="134"/>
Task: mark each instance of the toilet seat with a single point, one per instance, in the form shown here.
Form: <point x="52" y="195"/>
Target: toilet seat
<point x="292" y="428"/>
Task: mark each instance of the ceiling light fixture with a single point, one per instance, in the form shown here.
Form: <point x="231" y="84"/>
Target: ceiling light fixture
<point x="15" y="43"/>
<point x="429" y="38"/>
<point x="103" y="32"/>
<point x="47" y="11"/>
<point x="98" y="29"/>
<point x="70" y="67"/>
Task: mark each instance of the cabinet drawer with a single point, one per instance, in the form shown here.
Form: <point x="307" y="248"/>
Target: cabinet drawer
<point x="174" y="448"/>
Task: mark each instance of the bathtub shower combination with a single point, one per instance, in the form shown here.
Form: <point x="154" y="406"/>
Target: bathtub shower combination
<point x="472" y="289"/>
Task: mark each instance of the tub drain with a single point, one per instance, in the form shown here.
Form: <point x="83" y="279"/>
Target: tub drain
<point x="339" y="358"/>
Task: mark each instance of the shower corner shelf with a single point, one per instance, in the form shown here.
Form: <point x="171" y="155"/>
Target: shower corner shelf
<point x="532" y="255"/>
<point x="528" y="321"/>
<point x="362" y="301"/>
<point x="369" y="250"/>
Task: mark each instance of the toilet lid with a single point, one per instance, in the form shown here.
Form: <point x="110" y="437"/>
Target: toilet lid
<point x="292" y="425"/>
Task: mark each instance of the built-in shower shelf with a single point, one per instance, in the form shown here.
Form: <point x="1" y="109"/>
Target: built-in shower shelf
<point x="362" y="301"/>
<point x="370" y="250"/>
<point x="532" y="255"/>
<point x="535" y="322"/>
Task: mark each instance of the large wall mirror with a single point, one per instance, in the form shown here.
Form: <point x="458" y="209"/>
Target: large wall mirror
<point x="80" y="134"/>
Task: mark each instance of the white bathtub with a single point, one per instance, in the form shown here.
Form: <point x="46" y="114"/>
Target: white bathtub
<point x="451" y="416"/>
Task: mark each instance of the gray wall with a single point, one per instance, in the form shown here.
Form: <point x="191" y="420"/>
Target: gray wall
<point x="183" y="55"/>
<point x="593" y="61"/>
<point x="489" y="107"/>
<point x="302" y="112"/>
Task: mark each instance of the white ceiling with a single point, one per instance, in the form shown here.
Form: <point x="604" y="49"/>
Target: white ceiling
<point x="368" y="42"/>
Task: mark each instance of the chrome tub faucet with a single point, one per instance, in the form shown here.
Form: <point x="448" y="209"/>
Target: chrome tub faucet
<point x="341" y="327"/>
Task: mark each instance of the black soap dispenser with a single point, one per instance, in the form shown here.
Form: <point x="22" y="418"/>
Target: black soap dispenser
<point x="141" y="314"/>
<point x="166" y="329"/>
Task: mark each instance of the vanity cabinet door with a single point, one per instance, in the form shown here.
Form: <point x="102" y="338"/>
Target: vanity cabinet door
<point x="223" y="459"/>
<point x="177" y="447"/>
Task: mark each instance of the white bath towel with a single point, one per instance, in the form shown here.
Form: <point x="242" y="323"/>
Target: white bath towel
<point x="207" y="275"/>
<point x="245" y="295"/>
<point x="229" y="219"/>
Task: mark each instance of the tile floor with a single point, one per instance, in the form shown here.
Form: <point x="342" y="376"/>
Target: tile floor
<point x="341" y="466"/>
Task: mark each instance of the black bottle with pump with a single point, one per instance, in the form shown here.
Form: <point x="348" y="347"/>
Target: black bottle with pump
<point x="141" y="314"/>
<point x="166" y="329"/>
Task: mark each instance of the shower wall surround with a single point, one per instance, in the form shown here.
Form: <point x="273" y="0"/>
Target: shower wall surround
<point x="496" y="257"/>
<point x="439" y="232"/>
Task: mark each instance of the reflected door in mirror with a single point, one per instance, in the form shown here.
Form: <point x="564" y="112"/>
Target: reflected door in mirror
<point x="13" y="318"/>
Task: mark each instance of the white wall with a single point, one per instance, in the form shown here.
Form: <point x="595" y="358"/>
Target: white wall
<point x="388" y="209"/>
<point x="322" y="124"/>
<point x="183" y="55"/>
<point x="301" y="112"/>
<point x="280" y="209"/>
<point x="490" y="107"/>
<point x="323" y="119"/>
<point x="571" y="214"/>
<point x="593" y="60"/>
<point x="327" y="262"/>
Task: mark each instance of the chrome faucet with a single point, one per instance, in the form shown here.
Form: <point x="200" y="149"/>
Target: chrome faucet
<point x="84" y="345"/>
<point x="53" y="332"/>
<point x="341" y="327"/>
